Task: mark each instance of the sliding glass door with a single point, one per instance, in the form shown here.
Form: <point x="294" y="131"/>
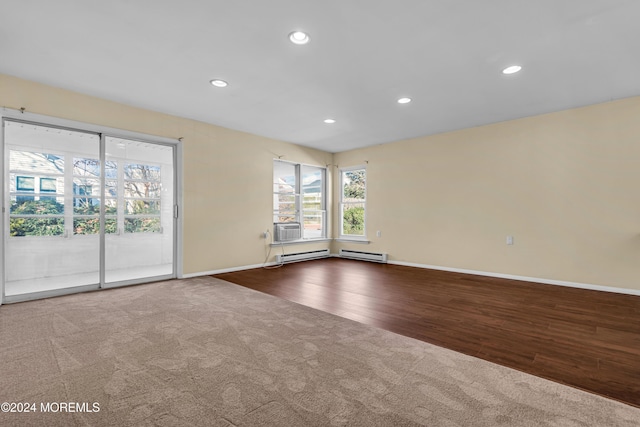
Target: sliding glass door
<point x="84" y="210"/>
<point x="139" y="235"/>
<point x="48" y="244"/>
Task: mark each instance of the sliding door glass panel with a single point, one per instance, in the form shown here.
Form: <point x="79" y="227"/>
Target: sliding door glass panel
<point x="139" y="200"/>
<point x="53" y="196"/>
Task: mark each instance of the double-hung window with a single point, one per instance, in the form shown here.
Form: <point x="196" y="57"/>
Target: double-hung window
<point x="299" y="193"/>
<point x="353" y="201"/>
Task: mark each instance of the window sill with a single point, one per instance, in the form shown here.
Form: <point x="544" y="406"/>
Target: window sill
<point x="301" y="241"/>
<point x="362" y="240"/>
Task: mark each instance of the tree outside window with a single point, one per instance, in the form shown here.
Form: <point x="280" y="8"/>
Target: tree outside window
<point x="353" y="202"/>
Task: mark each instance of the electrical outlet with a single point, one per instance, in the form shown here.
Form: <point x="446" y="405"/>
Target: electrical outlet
<point x="378" y="233"/>
<point x="509" y="240"/>
<point x="265" y="234"/>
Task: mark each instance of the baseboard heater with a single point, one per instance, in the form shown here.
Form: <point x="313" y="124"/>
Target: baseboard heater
<point x="302" y="256"/>
<point x="365" y="256"/>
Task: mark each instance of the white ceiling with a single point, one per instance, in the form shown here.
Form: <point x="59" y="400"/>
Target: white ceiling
<point x="363" y="55"/>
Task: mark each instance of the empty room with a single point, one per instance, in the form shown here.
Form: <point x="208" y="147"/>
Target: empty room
<point x="336" y="213"/>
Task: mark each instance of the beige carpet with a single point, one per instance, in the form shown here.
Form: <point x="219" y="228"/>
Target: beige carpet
<point x="204" y="352"/>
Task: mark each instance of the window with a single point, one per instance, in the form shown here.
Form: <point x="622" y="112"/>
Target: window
<point x="299" y="197"/>
<point x="353" y="201"/>
<point x="36" y="194"/>
<point x="86" y="199"/>
<point x="48" y="185"/>
<point x="141" y="187"/>
<point x="142" y="193"/>
<point x="25" y="183"/>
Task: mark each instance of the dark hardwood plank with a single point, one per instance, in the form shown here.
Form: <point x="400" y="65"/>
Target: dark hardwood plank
<point x="585" y="339"/>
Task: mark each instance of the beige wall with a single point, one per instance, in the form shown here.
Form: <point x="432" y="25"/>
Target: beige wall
<point x="565" y="185"/>
<point x="227" y="174"/>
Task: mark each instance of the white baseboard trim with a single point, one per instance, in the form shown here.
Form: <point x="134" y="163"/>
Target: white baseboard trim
<point x="454" y="270"/>
<point x="227" y="270"/>
<point x="524" y="278"/>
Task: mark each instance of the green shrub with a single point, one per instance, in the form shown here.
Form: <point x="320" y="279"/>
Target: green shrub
<point x="353" y="220"/>
<point x="36" y="226"/>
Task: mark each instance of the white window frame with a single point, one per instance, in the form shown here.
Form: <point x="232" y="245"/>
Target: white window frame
<point x="299" y="200"/>
<point x="344" y="203"/>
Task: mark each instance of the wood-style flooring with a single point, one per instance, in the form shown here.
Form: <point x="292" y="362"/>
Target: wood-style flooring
<point x="585" y="339"/>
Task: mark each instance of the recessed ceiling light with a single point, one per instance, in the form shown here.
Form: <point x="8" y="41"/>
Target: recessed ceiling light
<point x="219" y="83"/>
<point x="298" y="37"/>
<point x="512" y="69"/>
<point x="329" y="121"/>
<point x="404" y="100"/>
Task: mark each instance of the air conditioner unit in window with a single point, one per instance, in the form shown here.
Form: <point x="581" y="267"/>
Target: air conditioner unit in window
<point x="286" y="231"/>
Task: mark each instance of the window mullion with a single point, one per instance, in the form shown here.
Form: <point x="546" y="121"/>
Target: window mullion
<point x="299" y="217"/>
<point x="121" y="201"/>
<point x="68" y="195"/>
